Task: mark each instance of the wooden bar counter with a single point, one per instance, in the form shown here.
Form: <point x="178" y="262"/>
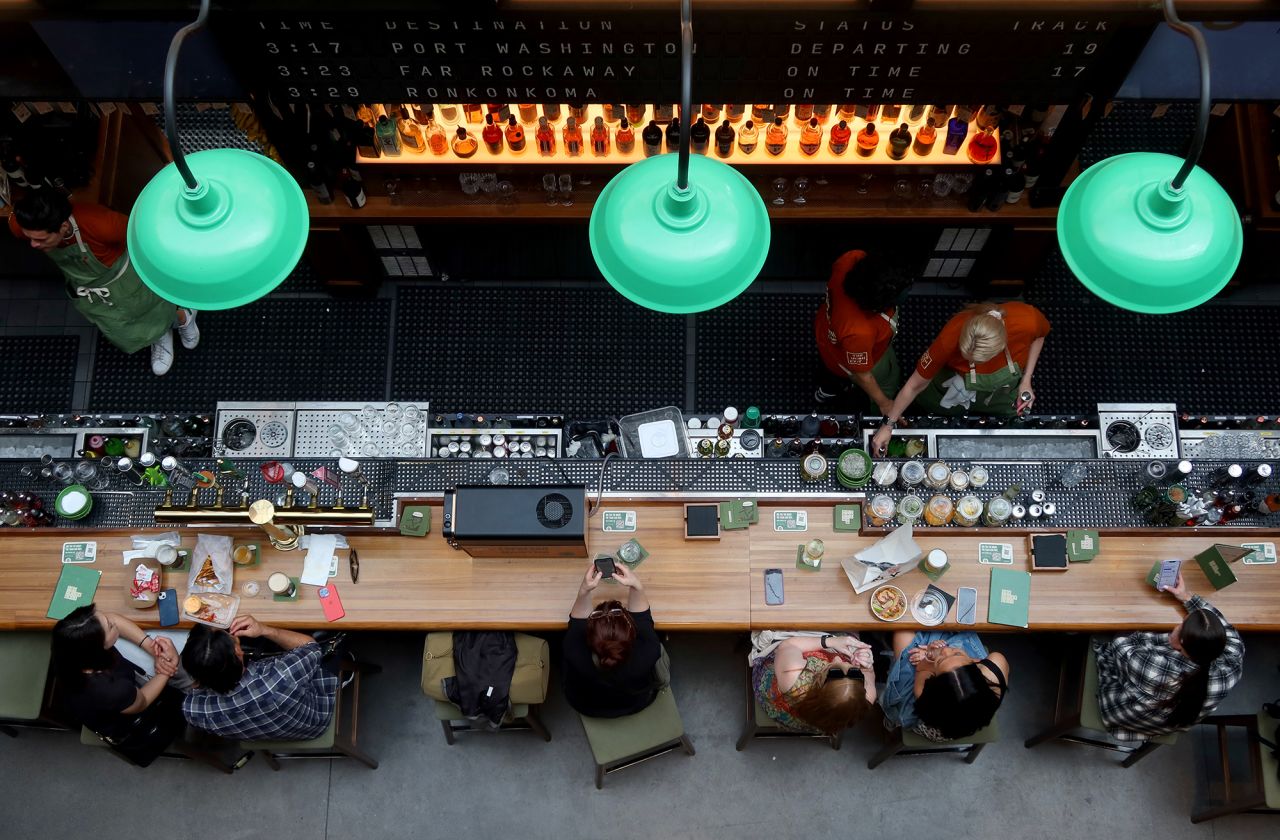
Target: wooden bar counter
<point x="411" y="583"/>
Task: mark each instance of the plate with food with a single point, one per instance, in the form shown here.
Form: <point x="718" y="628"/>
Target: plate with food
<point x="888" y="603"/>
<point x="929" y="608"/>
<point x="144" y="587"/>
<point x="212" y="608"/>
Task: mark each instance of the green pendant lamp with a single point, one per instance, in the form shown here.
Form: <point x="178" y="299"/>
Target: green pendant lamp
<point x="1143" y="241"/>
<point x="218" y="229"/>
<point x="680" y="235"/>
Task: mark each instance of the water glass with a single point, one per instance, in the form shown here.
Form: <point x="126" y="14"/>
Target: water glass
<point x="488" y="183"/>
<point x="565" y="184"/>
<point x="349" y="422"/>
<point x="506" y="192"/>
<point x="337" y="436"/>
<point x="370" y="450"/>
<point x="408" y="431"/>
<point x="413" y="414"/>
<point x="86" y="472"/>
<point x="393" y="412"/>
<point x="470" y="182"/>
<point x="369" y="416"/>
<point x="63" y="473"/>
<point x="942" y="183"/>
<point x="802" y="187"/>
<point x="864" y="183"/>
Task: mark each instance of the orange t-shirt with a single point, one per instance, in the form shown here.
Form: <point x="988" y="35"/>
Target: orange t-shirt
<point x="1023" y="324"/>
<point x="850" y="339"/>
<point x="102" y="229"/>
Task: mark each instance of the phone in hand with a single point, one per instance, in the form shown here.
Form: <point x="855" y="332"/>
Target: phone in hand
<point x="1168" y="576"/>
<point x="604" y="565"/>
<point x="967" y="605"/>
<point x="167" y="602"/>
<point x="773" y="587"/>
<point x="331" y="603"/>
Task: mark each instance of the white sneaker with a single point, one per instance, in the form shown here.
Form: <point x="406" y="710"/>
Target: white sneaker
<point x="162" y="354"/>
<point x="189" y="332"/>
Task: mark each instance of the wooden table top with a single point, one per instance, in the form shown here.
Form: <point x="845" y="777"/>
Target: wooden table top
<point x="421" y="583"/>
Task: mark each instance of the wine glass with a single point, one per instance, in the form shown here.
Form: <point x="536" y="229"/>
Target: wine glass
<point x="902" y="191"/>
<point x="565" y="183"/>
<point x="549" y="184"/>
<point x="779" y="192"/>
<point x="393" y="191"/>
<point x="802" y="187"/>
<point x="506" y="192"/>
<point x="864" y="182"/>
<point x="924" y="190"/>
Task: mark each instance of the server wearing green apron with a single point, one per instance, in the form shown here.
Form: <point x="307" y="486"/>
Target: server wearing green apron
<point x="88" y="247"/>
<point x="981" y="363"/>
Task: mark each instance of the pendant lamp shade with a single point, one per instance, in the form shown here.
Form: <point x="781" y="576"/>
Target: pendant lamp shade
<point x="1136" y="242"/>
<point x="679" y="251"/>
<point x="232" y="240"/>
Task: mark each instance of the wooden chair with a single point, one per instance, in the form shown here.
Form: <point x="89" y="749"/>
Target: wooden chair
<point x="1076" y="707"/>
<point x="26" y="690"/>
<point x="528" y="685"/>
<point x="907" y="742"/>
<point x="1239" y="777"/>
<point x="341" y="738"/>
<point x="760" y="725"/>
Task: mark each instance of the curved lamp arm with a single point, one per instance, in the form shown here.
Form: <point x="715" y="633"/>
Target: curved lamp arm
<point x="1202" y="114"/>
<point x="170" y="71"/>
<point x="686" y="91"/>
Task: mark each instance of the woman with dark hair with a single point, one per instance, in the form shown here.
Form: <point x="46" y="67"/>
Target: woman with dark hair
<point x="816" y="683"/>
<point x="610" y="651"/>
<point x="943" y="686"/>
<point x="1152" y="684"/>
<point x="100" y="688"/>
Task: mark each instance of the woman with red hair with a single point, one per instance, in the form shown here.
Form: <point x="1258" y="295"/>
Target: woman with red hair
<point x="609" y="650"/>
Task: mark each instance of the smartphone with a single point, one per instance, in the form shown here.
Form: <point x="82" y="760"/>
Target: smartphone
<point x="331" y="603"/>
<point x="604" y="565"/>
<point x="967" y="605"/>
<point x="1168" y="574"/>
<point x="168" y="605"/>
<point x="773" y="587"/>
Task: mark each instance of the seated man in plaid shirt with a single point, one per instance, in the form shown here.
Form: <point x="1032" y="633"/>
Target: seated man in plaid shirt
<point x="288" y="697"/>
<point x="1153" y="684"/>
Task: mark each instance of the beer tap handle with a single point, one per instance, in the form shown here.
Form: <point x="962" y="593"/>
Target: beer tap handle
<point x="217" y="502"/>
<point x="195" y="494"/>
<point x="168" y="497"/>
<point x="288" y="496"/>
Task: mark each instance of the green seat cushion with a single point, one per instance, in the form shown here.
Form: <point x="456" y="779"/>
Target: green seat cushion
<point x="447" y="711"/>
<point x="528" y="683"/>
<point x="323" y="742"/>
<point x="1090" y="713"/>
<point x="988" y="734"/>
<point x="1270" y="781"/>
<point x="24" y="662"/>
<point x="613" y="739"/>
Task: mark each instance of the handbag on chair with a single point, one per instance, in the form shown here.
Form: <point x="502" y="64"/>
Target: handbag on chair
<point x="152" y="730"/>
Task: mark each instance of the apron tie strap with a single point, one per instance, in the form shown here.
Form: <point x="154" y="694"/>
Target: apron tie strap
<point x="89" y="292"/>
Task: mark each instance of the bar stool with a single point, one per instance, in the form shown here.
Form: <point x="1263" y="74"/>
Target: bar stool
<point x="1220" y="789"/>
<point x="618" y="743"/>
<point x="1076" y="707"/>
<point x="26" y="689"/>
<point x="339" y="739"/>
<point x="528" y="685"/>
<point x="907" y="742"/>
<point x="760" y="725"/>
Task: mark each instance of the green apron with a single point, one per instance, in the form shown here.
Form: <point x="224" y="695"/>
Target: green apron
<point x="886" y="372"/>
<point x="996" y="392"/>
<point x="115" y="300"/>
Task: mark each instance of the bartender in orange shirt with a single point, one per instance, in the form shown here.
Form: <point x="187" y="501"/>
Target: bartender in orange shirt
<point x="981" y="363"/>
<point x="855" y="327"/>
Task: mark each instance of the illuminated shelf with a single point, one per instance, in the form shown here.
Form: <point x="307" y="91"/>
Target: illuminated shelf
<point x="791" y="155"/>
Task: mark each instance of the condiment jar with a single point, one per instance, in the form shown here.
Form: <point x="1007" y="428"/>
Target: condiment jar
<point x="938" y="510"/>
<point x="959" y="481"/>
<point x="911" y="475"/>
<point x="998" y="512"/>
<point x="880" y="511"/>
<point x="978" y="477"/>
<point x="885" y="473"/>
<point x="909" y="509"/>
<point x="937" y="475"/>
<point x="968" y="511"/>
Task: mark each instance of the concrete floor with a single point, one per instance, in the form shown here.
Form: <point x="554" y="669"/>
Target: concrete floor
<point x="515" y="785"/>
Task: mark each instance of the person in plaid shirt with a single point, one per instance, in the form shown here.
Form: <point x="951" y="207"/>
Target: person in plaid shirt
<point x="287" y="697"/>
<point x="1155" y="683"/>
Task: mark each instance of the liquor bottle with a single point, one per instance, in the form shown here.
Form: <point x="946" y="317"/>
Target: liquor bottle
<point x="437" y="141"/>
<point x="366" y="115"/>
<point x="890" y="113"/>
<point x="989" y="117"/>
<point x="1270" y="504"/>
<point x="982" y="148"/>
<point x="811" y="137"/>
<point x="663" y="113"/>
<point x="651" y="138"/>
<point x="1017" y="186"/>
<point x="448" y="113"/>
<point x="1257" y="475"/>
<point x="315" y="180"/>
<point x="473" y="113"/>
<point x="710" y="112"/>
<point x="847" y="111"/>
<point x="762" y="114"/>
<point x="783" y="111"/>
<point x="999" y="189"/>
<point x="353" y="188"/>
<point x="500" y="111"/>
<point x="464" y="145"/>
<point x="734" y="113"/>
<point x="822" y="113"/>
<point x="515" y="135"/>
<point x="572" y="138"/>
<point x="775" y="139"/>
<point x="748" y="137"/>
<point x="545" y="137"/>
<point x="421" y="113"/>
<point x="699" y="137"/>
<point x="578" y="112"/>
<point x="867" y="112"/>
<point x="612" y="113"/>
<point x="965" y="113"/>
<point x="626" y="137"/>
<point x="673" y="135"/>
<point x="868" y="139"/>
<point x="551" y="112"/>
<point x="915" y="113"/>
<point x="804" y="113"/>
<point x="980" y="189"/>
<point x="925" y="138"/>
<point x="492" y="135"/>
<point x="528" y="113"/>
<point x="600" y="138"/>
<point x="938" y="115"/>
<point x="956" y="131"/>
<point x="388" y="137"/>
<point x="899" y="142"/>
<point x="635" y="113"/>
<point x="839" y="140"/>
<point x="724" y="139"/>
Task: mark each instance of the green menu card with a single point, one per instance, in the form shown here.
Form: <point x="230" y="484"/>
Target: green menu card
<point x="1010" y="599"/>
<point x="75" y="588"/>
<point x="1213" y="561"/>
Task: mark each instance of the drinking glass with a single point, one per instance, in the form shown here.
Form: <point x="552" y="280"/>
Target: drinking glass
<point x="337" y="436"/>
<point x="408" y="431"/>
<point x="942" y="183"/>
<point x="779" y="191"/>
<point x="370" y="450"/>
<point x="394" y="412"/>
<point x="413" y="414"/>
<point x="924" y="191"/>
<point x="369" y="416"/>
<point x="864" y="183"/>
<point x="389" y="430"/>
<point x="393" y="191"/>
<point x="86" y="472"/>
<point x="960" y="183"/>
<point x="506" y="192"/>
<point x="549" y="184"/>
<point x="489" y="183"/>
<point x="349" y="422"/>
<point x="902" y="191"/>
<point x="470" y="182"/>
<point x="63" y="473"/>
<point x="802" y="187"/>
<point x="565" y="183"/>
